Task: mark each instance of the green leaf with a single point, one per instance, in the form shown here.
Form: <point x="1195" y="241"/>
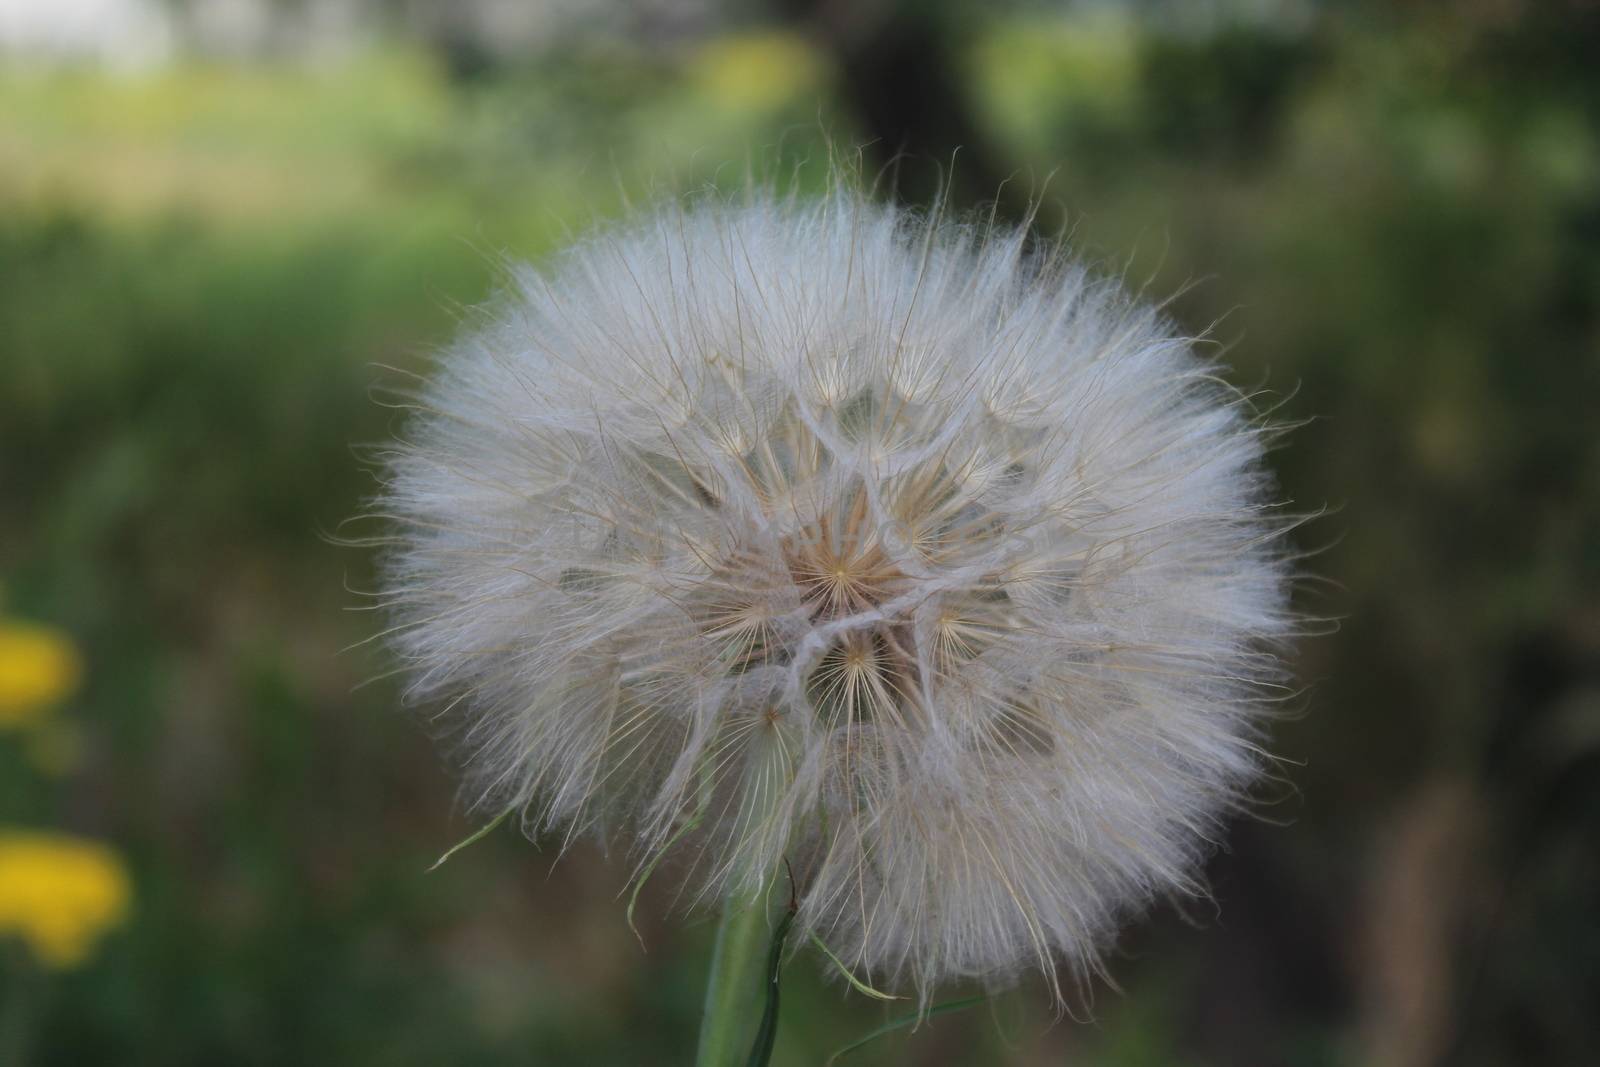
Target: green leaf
<point x="649" y="868"/>
<point x="767" y="1036"/>
<point x="855" y="983"/>
<point x="904" y="1021"/>
<point x="476" y="836"/>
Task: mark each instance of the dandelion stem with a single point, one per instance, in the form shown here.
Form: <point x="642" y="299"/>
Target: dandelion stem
<point x="734" y="987"/>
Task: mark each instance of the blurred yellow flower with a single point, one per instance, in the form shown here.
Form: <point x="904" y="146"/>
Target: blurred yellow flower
<point x="59" y="894"/>
<point x="758" y="71"/>
<point x="38" y="667"/>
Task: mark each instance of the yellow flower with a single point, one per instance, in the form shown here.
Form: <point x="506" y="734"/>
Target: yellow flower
<point x="757" y="71"/>
<point x="59" y="894"/>
<point x="38" y="667"/>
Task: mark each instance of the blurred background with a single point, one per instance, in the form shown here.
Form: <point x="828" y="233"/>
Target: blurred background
<point x="219" y="217"/>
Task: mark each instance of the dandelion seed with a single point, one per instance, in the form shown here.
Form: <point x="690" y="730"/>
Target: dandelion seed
<point x="815" y="529"/>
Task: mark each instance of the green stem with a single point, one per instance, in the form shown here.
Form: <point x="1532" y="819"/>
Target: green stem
<point x="734" y="987"/>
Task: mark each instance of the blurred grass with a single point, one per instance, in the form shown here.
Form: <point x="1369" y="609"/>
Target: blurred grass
<point x="1391" y="221"/>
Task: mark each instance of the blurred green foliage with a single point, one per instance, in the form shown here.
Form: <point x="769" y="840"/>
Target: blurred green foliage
<point x="1395" y="226"/>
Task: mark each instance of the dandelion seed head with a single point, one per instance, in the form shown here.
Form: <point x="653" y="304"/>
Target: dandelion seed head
<point x="818" y="529"/>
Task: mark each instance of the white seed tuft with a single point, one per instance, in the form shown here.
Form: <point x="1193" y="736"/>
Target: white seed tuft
<point x="818" y="530"/>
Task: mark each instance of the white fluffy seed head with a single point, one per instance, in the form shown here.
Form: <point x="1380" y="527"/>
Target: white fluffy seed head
<point x="821" y="531"/>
